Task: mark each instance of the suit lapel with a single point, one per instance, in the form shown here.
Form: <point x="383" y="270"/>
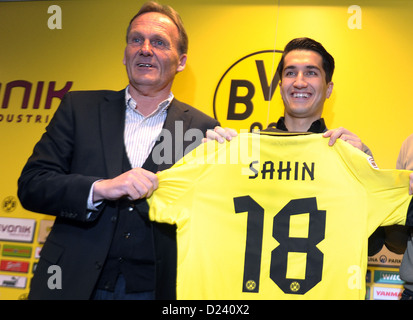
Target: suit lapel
<point x="176" y="124"/>
<point x="112" y="117"/>
<point x="112" y="123"/>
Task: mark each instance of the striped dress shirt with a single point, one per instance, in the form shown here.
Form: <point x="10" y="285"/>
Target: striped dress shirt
<point x="140" y="135"/>
<point x="142" y="132"/>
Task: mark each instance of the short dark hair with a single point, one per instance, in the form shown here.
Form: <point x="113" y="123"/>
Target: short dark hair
<point x="152" y="6"/>
<point x="311" y="45"/>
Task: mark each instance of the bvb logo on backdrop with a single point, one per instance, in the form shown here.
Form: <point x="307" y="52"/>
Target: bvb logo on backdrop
<point x="9" y="204"/>
<point x="244" y="97"/>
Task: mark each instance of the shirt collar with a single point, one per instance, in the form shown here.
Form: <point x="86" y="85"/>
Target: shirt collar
<point x="131" y="103"/>
<point x="317" y="126"/>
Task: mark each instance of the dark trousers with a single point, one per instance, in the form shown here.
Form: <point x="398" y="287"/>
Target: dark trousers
<point x="407" y="295"/>
<point x="120" y="293"/>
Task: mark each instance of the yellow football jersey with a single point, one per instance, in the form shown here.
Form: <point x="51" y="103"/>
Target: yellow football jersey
<point x="277" y="216"/>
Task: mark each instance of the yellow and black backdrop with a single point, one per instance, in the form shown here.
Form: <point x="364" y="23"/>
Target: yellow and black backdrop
<point x="50" y="47"/>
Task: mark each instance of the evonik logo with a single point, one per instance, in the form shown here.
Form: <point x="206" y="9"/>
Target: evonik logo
<point x="27" y="97"/>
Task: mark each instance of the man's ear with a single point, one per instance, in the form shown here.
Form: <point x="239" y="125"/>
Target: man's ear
<point x="182" y="63"/>
<point x="330" y="86"/>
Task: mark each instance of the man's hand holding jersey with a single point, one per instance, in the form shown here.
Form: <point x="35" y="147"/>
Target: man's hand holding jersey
<point x="343" y="134"/>
<point x="139" y="183"/>
<point x="220" y="134"/>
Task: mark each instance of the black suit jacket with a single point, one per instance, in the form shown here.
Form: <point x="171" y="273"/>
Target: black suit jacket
<point x="83" y="143"/>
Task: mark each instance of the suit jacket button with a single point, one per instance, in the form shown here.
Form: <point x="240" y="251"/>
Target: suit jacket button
<point x="98" y="265"/>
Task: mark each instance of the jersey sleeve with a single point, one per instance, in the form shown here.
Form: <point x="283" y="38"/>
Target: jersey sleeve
<point x="169" y="203"/>
<point x="387" y="190"/>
